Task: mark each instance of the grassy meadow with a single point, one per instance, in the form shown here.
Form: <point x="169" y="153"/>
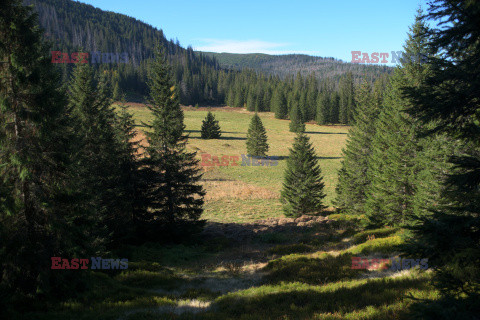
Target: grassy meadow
<point x="297" y="273"/>
<point x="246" y="193"/>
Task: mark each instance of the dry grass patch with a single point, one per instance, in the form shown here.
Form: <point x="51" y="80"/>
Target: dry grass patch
<point x="217" y="190"/>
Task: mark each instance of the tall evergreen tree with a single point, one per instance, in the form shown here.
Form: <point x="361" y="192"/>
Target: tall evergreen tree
<point x="210" y="128"/>
<point x="170" y="175"/>
<point x="346" y="102"/>
<point x="116" y="92"/>
<point x="353" y="176"/>
<point x="252" y="103"/>
<point x="323" y="105"/>
<point x="433" y="162"/>
<point x="393" y="163"/>
<point x="257" y="138"/>
<point x="449" y="101"/>
<point x="311" y="97"/>
<point x="36" y="209"/>
<point x="279" y="104"/>
<point x="302" y="191"/>
<point x="296" y="120"/>
<point x="129" y="195"/>
<point x="98" y="154"/>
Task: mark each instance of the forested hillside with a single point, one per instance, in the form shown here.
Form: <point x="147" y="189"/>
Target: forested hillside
<point x="73" y="26"/>
<point x="322" y="96"/>
<point x="284" y="65"/>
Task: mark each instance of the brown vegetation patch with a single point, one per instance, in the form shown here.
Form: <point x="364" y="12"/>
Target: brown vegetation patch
<point x="141" y="139"/>
<point x="217" y="190"/>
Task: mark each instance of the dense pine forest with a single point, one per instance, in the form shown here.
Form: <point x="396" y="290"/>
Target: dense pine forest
<point x="88" y="176"/>
<point x="73" y="26"/>
<point x="288" y="64"/>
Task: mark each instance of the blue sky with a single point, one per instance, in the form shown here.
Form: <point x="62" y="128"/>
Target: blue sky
<point x="321" y="28"/>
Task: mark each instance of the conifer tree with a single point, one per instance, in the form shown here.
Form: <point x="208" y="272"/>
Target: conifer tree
<point x="129" y="195"/>
<point x="257" y="145"/>
<point x="448" y="101"/>
<point x="433" y="162"/>
<point x="392" y="164"/>
<point x="36" y="206"/>
<point x="170" y="175"/>
<point x="251" y="100"/>
<point x="98" y="155"/>
<point x="296" y="120"/>
<point x="334" y="107"/>
<point x="353" y="176"/>
<point x="303" y="186"/>
<point x="346" y="102"/>
<point x="279" y="104"/>
<point x="311" y="98"/>
<point x="323" y="105"/>
<point x="116" y="92"/>
<point x="239" y="98"/>
<point x="302" y="104"/>
<point x="210" y="127"/>
<point x="259" y="98"/>
<point x="395" y="147"/>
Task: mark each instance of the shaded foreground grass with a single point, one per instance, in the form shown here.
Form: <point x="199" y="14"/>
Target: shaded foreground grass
<point x="292" y="275"/>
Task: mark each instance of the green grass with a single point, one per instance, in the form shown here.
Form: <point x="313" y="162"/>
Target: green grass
<point x="257" y="197"/>
<point x="303" y="301"/>
<point x="289" y="274"/>
<point x="291" y="248"/>
<point x="377" y="233"/>
<point x="305" y="282"/>
<point x="311" y="270"/>
<point x="382" y="245"/>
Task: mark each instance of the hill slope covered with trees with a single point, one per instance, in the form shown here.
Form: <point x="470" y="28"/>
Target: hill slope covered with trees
<point x="202" y="78"/>
<point x="288" y="64"/>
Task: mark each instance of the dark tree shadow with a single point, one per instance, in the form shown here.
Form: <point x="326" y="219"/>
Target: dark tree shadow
<point x="221" y="138"/>
<point x="315" y="132"/>
<point x="318" y="158"/>
<point x="190" y="131"/>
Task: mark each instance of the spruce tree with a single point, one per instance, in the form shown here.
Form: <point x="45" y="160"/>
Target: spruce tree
<point x="323" y="105"/>
<point x="311" y="97"/>
<point x="353" y="177"/>
<point x="252" y="103"/>
<point x="259" y="97"/>
<point x="170" y="175"/>
<point x="296" y="120"/>
<point x="334" y="107"/>
<point x="98" y="155"/>
<point x="129" y="195"/>
<point x="393" y="164"/>
<point x="279" y="104"/>
<point x="430" y="181"/>
<point x="116" y="92"/>
<point x="448" y="100"/>
<point x="346" y="102"/>
<point x="37" y="211"/>
<point x="210" y="127"/>
<point x="303" y="186"/>
<point x="257" y="145"/>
